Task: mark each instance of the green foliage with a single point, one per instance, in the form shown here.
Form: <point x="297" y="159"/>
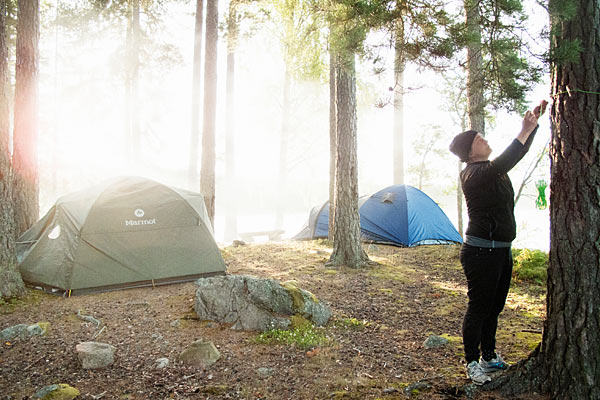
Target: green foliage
<point x="296" y="25"/>
<point x="562" y="50"/>
<point x="530" y="265"/>
<point x="508" y="70"/>
<point x="303" y="335"/>
<point x="352" y="323"/>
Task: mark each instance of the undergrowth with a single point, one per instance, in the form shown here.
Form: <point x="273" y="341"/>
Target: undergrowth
<point x="530" y="266"/>
<point x="302" y="335"/>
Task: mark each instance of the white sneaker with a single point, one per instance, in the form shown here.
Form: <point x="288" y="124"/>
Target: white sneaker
<point x="476" y="373"/>
<point x="493" y="365"/>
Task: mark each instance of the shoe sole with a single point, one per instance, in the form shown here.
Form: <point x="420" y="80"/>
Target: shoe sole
<point x="491" y="370"/>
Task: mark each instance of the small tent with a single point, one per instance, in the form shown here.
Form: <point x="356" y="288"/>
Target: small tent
<point x="399" y="215"/>
<point x="127" y="232"/>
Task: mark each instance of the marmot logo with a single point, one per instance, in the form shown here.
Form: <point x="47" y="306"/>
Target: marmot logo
<point x="139" y="213"/>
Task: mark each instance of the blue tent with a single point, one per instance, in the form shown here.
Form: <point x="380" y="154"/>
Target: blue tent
<point x="400" y="215"/>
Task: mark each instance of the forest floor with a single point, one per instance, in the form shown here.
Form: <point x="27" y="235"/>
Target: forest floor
<point x="382" y="314"/>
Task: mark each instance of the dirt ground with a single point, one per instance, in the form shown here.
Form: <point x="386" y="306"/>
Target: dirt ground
<point x="382" y="314"/>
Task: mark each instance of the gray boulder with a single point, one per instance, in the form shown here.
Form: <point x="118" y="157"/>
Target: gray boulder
<point x="434" y="341"/>
<point x="95" y="355"/>
<point x="61" y="391"/>
<point x="161" y="363"/>
<point x="201" y="352"/>
<point x="251" y="303"/>
<point x="14" y="331"/>
<point x="24" y="331"/>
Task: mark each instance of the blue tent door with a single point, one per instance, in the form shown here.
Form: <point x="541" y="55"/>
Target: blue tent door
<point x="384" y="217"/>
<point x="400" y="215"/>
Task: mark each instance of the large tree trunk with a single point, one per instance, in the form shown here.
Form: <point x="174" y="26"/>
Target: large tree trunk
<point x="567" y="366"/>
<point x="25" y="138"/>
<point x="11" y="283"/>
<point x="332" y="142"/>
<point x="476" y="105"/>
<point x="207" y="175"/>
<point x="283" y="147"/>
<point x="196" y="90"/>
<point x="399" y="67"/>
<point x="571" y="342"/>
<point x="347" y="247"/>
<point x="232" y="38"/>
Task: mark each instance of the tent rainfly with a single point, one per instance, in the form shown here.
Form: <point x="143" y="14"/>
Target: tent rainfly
<point x="128" y="232"/>
<point x="399" y="215"/>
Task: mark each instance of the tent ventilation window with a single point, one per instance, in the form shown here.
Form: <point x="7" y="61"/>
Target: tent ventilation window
<point x="388" y="198"/>
<point x="55" y="233"/>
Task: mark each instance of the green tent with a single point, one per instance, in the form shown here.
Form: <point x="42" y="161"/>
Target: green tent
<point x="127" y="232"/>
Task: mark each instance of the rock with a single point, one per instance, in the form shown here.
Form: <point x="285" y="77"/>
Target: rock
<point x="95" y="355"/>
<point x="251" y="303"/>
<point x="61" y="391"/>
<point x="157" y="336"/>
<point x="23" y="331"/>
<point x="201" y="352"/>
<point x="390" y="390"/>
<point x="41" y="328"/>
<point x="416" y="387"/>
<point x="175" y="323"/>
<point x="161" y="363"/>
<point x="238" y="243"/>
<point x="434" y="341"/>
<point x="264" y="372"/>
<point x="13" y="332"/>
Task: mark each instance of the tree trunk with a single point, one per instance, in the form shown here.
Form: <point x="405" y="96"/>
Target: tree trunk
<point x="476" y="104"/>
<point x="11" y="284"/>
<point x="207" y="175"/>
<point x="25" y="138"/>
<point x="232" y="38"/>
<point x="347" y="247"/>
<point x="135" y="77"/>
<point x="399" y="67"/>
<point x="571" y="342"/>
<point x="196" y="90"/>
<point x="283" y="147"/>
<point x="567" y="366"/>
<point x="128" y="85"/>
<point x="332" y="142"/>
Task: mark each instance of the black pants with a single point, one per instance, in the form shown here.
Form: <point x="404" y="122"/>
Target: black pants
<point x="488" y="273"/>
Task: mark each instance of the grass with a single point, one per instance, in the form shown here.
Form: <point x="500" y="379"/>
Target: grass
<point x="303" y="335"/>
<point x="530" y="266"/>
<point x="351" y="323"/>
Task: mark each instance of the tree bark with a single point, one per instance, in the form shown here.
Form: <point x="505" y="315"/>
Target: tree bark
<point x="207" y="175"/>
<point x="25" y="138"/>
<point x="567" y="365"/>
<point x="399" y="67"/>
<point x="283" y="146"/>
<point x="571" y="341"/>
<point x="196" y="90"/>
<point x="11" y="284"/>
<point x="232" y="38"/>
<point x="332" y="142"/>
<point x="476" y="104"/>
<point x="347" y="247"/>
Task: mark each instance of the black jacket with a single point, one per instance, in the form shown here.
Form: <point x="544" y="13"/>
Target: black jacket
<point x="490" y="196"/>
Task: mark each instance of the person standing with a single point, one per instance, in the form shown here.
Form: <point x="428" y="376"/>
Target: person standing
<point x="486" y="255"/>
